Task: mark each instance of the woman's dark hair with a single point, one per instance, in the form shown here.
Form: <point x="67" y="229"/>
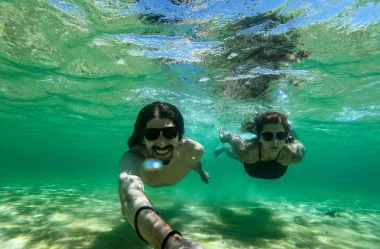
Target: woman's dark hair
<point x="256" y="125"/>
<point x="156" y="110"/>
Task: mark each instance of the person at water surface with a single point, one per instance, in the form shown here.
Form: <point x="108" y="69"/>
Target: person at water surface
<point x="158" y="155"/>
<point x="267" y="155"/>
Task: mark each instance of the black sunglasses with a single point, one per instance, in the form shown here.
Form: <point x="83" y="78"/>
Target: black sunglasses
<point x="268" y="136"/>
<point x="154" y="133"/>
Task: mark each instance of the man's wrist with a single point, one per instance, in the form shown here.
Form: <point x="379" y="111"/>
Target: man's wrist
<point x="143" y="217"/>
<point x="173" y="240"/>
<point x="163" y="229"/>
<point x="152" y="227"/>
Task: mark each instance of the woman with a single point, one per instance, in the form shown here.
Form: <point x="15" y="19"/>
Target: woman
<point x="267" y="155"/>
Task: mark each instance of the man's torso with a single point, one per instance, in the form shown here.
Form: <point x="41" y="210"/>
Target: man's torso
<point x="185" y="158"/>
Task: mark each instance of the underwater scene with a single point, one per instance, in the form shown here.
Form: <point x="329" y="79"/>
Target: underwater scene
<point x="74" y="75"/>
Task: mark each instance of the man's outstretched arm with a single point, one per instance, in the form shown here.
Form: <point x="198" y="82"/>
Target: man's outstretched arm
<point x="132" y="197"/>
<point x="150" y="225"/>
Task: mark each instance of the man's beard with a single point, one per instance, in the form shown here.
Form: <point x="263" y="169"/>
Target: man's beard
<point x="168" y="147"/>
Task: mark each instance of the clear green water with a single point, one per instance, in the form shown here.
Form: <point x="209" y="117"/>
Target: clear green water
<point x="74" y="74"/>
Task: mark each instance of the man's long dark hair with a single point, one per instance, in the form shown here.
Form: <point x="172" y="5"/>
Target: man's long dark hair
<point x="156" y="110"/>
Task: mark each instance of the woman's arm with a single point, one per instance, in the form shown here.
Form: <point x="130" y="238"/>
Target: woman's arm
<point x="240" y="147"/>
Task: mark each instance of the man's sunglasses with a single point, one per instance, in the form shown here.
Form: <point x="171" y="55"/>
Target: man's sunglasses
<point x="268" y="136"/>
<point x="154" y="133"/>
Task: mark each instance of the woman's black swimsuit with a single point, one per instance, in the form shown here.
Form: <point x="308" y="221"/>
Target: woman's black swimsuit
<point x="265" y="169"/>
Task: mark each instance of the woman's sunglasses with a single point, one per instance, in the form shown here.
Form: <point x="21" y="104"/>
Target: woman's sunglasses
<point x="154" y="133"/>
<point x="268" y="136"/>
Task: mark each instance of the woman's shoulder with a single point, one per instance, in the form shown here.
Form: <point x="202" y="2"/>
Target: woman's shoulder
<point x="253" y="143"/>
<point x="251" y="151"/>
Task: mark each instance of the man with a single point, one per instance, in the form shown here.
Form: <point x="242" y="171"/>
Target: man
<point x="158" y="134"/>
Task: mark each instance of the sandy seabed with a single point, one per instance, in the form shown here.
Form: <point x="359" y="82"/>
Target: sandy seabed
<point x="52" y="216"/>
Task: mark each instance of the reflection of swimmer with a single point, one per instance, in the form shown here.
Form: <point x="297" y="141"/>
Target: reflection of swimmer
<point x="159" y="155"/>
<point x="268" y="155"/>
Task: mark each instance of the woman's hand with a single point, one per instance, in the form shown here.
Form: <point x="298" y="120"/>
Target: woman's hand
<point x="222" y="136"/>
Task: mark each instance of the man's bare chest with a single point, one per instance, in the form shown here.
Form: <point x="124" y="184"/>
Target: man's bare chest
<point x="165" y="176"/>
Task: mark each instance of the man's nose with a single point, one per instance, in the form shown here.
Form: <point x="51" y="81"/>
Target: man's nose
<point x="161" y="138"/>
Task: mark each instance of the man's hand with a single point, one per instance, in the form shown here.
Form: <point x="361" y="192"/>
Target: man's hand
<point x="205" y="176"/>
<point x="182" y="243"/>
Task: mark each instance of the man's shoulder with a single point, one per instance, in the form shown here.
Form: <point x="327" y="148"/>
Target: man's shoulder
<point x="192" y="148"/>
<point x="129" y="155"/>
<point x="130" y="161"/>
<point x="138" y="150"/>
<point x="191" y="144"/>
